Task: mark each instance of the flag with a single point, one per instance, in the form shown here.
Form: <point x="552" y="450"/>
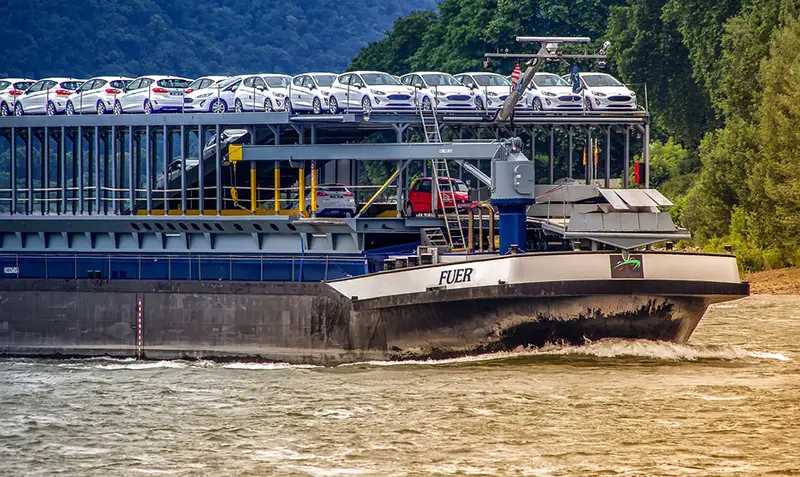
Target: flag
<point x="596" y="153"/>
<point x="515" y="75"/>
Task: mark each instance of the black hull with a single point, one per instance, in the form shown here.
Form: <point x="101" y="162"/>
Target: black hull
<point x="311" y="323"/>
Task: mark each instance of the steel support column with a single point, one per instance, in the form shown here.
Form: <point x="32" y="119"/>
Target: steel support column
<point x="46" y="171"/>
<point x="183" y="169"/>
<point x="571" y="150"/>
<point x="97" y="176"/>
<point x="29" y="172"/>
<point x="13" y="171"/>
<point x="589" y="157"/>
<point x="112" y="164"/>
<point x="551" y="158"/>
<point x="62" y="164"/>
<point x="608" y="158"/>
<point x="646" y="154"/>
<point x="80" y="169"/>
<point x="165" y="151"/>
<point x="148" y="170"/>
<point x="201" y="170"/>
<point x="627" y="158"/>
<point x="217" y="148"/>
<point x="131" y="178"/>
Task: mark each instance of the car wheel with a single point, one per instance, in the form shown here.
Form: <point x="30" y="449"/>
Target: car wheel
<point x="218" y="106"/>
<point x="316" y="106"/>
<point x="4" y="111"/>
<point x="333" y="105"/>
<point x="147" y="107"/>
<point x="366" y="105"/>
<point x="238" y="106"/>
<point x="479" y="104"/>
<point x="18" y="111"/>
<point x="588" y="104"/>
<point x="268" y="106"/>
<point x="117" y="108"/>
<point x="70" y="109"/>
<point x="410" y="210"/>
<point x="51" y="109"/>
<point x="426" y="104"/>
<point x="288" y="105"/>
<point x="101" y="108"/>
<point x="537" y="104"/>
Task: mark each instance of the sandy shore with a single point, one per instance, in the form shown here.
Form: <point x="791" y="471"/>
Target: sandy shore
<point x="784" y="281"/>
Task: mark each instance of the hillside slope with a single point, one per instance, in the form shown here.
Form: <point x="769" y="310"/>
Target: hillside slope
<point x="190" y="37"/>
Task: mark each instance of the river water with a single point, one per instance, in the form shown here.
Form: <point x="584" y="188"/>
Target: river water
<point x="726" y="403"/>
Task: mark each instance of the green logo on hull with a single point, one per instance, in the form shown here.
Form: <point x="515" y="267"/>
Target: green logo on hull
<point x="631" y="261"/>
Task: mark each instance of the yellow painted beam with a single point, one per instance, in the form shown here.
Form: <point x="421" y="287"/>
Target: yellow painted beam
<point x="301" y="184"/>
<point x="313" y="187"/>
<point x="379" y="191"/>
<point x="235" y="152"/>
<point x="277" y="186"/>
<point x="253" y="189"/>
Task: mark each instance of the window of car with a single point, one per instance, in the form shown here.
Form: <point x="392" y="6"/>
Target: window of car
<point x="547" y="79"/>
<point x="135" y="84"/>
<point x="439" y="79"/>
<point x="378" y="79"/>
<point x="49" y="85"/>
<point x="356" y="80"/>
<point x="406" y="80"/>
<point x="23" y="85"/>
<point x="146" y="82"/>
<point x="308" y="82"/>
<point x="88" y="86"/>
<point x="324" y="81"/>
<point x="297" y="81"/>
<point x="233" y="84"/>
<point x="5" y="84"/>
<point x="173" y="83"/>
<point x="491" y="80"/>
<point x="277" y="81"/>
<point x="71" y="85"/>
<point x="36" y="86"/>
<point x="259" y="82"/>
<point x="424" y="185"/>
<point x="344" y="79"/>
<point x="248" y="82"/>
<point x="196" y="84"/>
<point x="119" y="84"/>
<point x="596" y="80"/>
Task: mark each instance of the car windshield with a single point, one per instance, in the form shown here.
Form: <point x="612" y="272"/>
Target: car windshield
<point x="71" y="85"/>
<point x="491" y="80"/>
<point x="379" y="79"/>
<point x="23" y="85"/>
<point x="545" y="80"/>
<point x="173" y="83"/>
<point x="119" y="83"/>
<point x="325" y="80"/>
<point x="196" y="83"/>
<point x="277" y="81"/>
<point x="600" y="80"/>
<point x="457" y="185"/>
<point x="440" y="79"/>
<point x="229" y="81"/>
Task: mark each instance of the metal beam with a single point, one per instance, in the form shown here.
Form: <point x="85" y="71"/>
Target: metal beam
<point x="371" y="152"/>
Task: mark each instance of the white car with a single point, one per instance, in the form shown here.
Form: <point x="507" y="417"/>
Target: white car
<point x="204" y="82"/>
<point x="215" y="98"/>
<point x="491" y="89"/>
<point x="549" y="92"/>
<point x="278" y="88"/>
<point x="602" y="91"/>
<point x="46" y="96"/>
<point x="368" y="91"/>
<point x="310" y="92"/>
<point x="149" y="94"/>
<point x="441" y="89"/>
<point x="96" y="95"/>
<point x="10" y="90"/>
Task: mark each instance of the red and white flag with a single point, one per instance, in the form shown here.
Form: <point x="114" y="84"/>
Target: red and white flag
<point x="515" y="75"/>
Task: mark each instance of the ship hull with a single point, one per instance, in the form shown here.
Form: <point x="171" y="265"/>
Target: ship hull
<point x="425" y="312"/>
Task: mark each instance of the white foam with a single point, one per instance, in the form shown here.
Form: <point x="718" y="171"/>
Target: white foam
<point x="146" y="365"/>
<point x="268" y="366"/>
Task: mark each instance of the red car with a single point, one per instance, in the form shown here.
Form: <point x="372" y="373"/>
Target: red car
<point x="419" y="196"/>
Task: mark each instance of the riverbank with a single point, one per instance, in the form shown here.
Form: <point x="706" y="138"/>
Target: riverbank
<point x="783" y="281"/>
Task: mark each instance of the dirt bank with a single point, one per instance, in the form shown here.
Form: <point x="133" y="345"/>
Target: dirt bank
<point x="784" y="281"/>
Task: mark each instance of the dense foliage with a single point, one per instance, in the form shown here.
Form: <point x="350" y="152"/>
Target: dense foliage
<point x="189" y="37"/>
<point x="723" y="81"/>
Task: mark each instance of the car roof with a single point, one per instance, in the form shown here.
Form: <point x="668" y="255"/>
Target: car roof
<point x="427" y="73"/>
<point x="590" y="73"/>
<point x="314" y="73"/>
<point x="478" y="73"/>
<point x="366" y="72"/>
<point x="273" y="75"/>
<point x="212" y="77"/>
<point x="160" y="77"/>
<point x="59" y="79"/>
<point x="110" y="78"/>
<point x="14" y="80"/>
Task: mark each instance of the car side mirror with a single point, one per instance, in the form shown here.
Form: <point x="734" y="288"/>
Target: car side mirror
<point x="261" y="88"/>
<point x="124" y="90"/>
<point x="418" y="85"/>
<point x="311" y="86"/>
<point x="233" y="88"/>
<point x="78" y="91"/>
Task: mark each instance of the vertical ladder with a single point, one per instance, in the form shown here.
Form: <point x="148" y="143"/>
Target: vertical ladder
<point x="452" y="220"/>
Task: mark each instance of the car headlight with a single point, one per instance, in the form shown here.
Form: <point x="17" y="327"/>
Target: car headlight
<point x="440" y="93"/>
<point x="204" y="95"/>
<point x="377" y="92"/>
<point x="599" y="94"/>
<point x="548" y="93"/>
<point x="280" y="95"/>
<point x="491" y="93"/>
<point x="633" y="94"/>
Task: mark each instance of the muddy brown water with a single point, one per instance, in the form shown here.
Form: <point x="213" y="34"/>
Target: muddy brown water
<point x="726" y="403"/>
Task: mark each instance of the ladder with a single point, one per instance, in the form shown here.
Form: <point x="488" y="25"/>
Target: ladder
<point x="452" y="221"/>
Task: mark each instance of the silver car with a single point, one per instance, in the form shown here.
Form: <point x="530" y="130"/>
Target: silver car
<point x="149" y="94"/>
<point x="10" y="90"/>
<point x="96" y="95"/>
<point x="46" y="96"/>
<point x="332" y="200"/>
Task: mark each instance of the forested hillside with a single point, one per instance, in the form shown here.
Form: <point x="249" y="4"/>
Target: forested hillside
<point x="189" y="37"/>
<point x="723" y="78"/>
